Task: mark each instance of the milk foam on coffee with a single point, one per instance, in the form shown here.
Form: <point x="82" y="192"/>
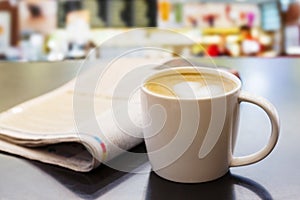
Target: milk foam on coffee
<point x="190" y="85"/>
<point x="196" y="89"/>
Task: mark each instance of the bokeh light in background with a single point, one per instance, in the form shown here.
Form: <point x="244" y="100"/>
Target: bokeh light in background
<point x="32" y="30"/>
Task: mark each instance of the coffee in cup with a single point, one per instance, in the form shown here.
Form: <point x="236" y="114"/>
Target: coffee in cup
<point x="189" y="84"/>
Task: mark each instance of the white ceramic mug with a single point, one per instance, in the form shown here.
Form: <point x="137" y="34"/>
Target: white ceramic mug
<point x="192" y="139"/>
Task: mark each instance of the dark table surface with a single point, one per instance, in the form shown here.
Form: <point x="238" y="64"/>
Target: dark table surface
<point x="276" y="177"/>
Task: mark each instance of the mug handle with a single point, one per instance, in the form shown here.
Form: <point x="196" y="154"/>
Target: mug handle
<point x="274" y="119"/>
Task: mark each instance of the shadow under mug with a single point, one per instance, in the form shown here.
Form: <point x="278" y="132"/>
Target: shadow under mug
<point x="223" y="188"/>
<point x="192" y="140"/>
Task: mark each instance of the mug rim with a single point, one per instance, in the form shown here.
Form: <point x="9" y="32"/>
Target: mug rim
<point x="213" y="71"/>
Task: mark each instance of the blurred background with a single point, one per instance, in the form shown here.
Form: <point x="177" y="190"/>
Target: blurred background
<point x="53" y="30"/>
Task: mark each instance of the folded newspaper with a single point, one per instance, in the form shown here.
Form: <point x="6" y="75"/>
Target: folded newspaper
<point x="91" y="119"/>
